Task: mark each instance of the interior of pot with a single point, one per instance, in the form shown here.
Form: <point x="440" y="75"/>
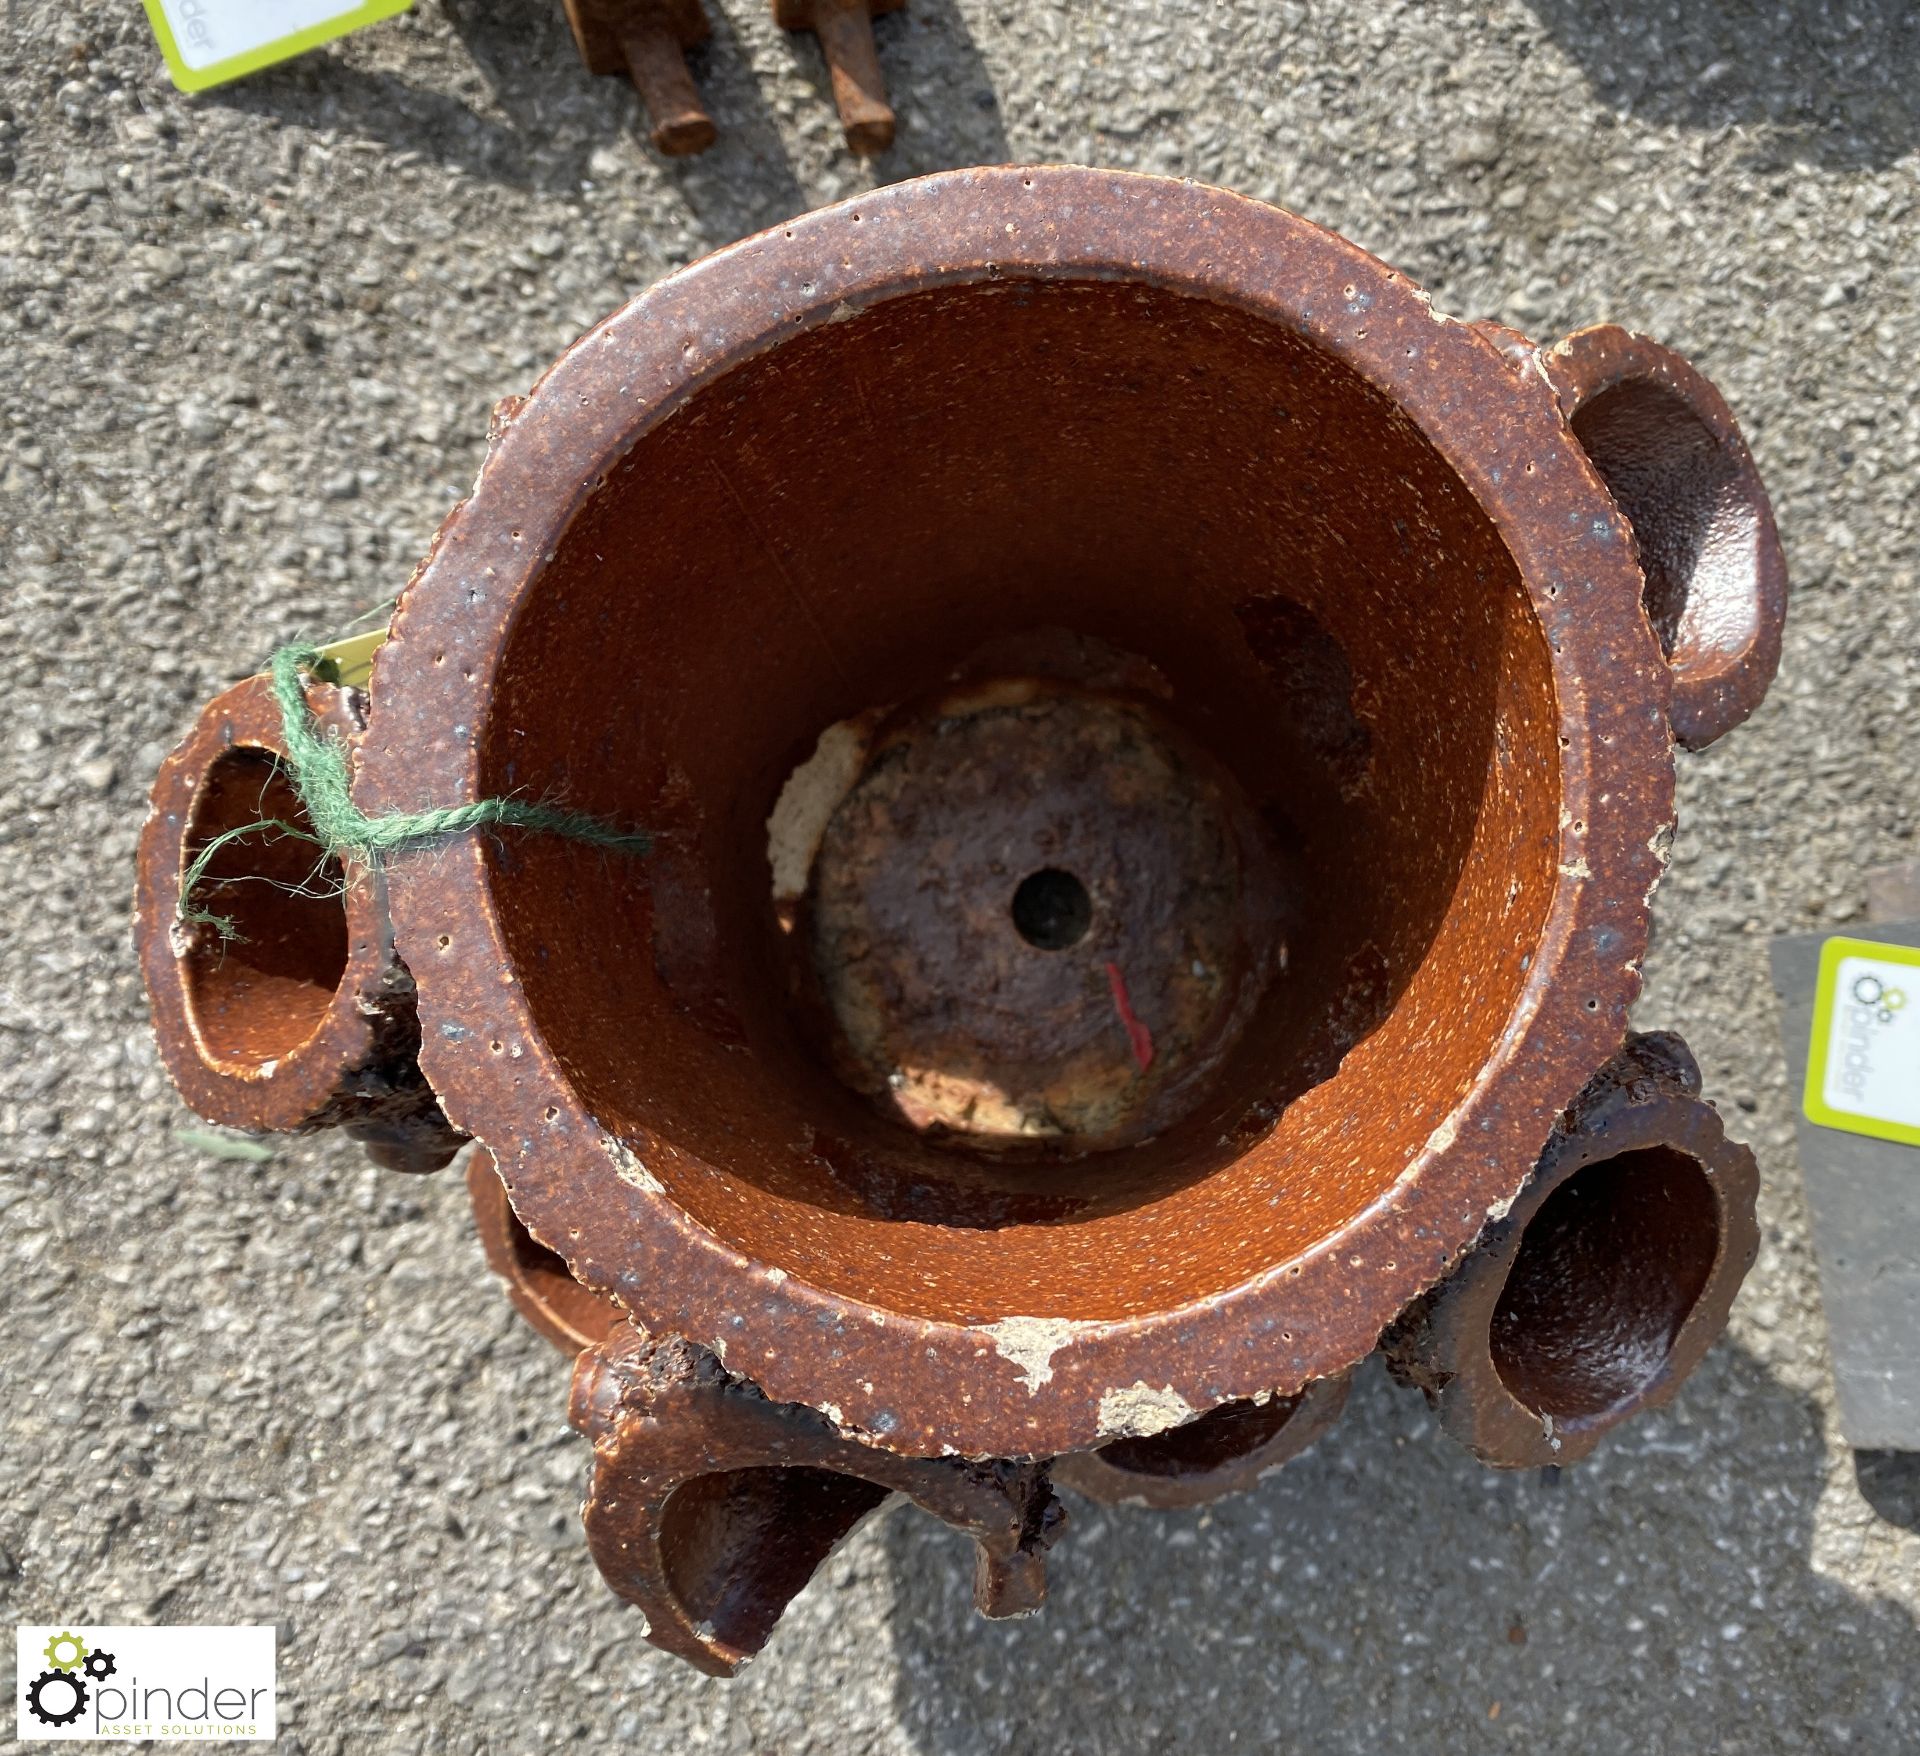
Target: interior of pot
<point x="1259" y="545"/>
<point x="1696" y="512"/>
<point x="259" y="992"/>
<point x="739" y="1544"/>
<point x="1606" y="1275"/>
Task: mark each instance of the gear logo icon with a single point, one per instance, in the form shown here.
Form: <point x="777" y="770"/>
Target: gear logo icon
<point x="62" y="1692"/>
<point x="60" y="1711"/>
<point x="1884" y="1001"/>
<point x="67" y="1644"/>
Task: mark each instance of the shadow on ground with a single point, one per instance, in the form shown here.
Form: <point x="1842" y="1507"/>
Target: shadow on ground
<point x="936" y="81"/>
<point x="551" y="112"/>
<point x="1830" y="85"/>
<point x="527" y="115"/>
<point x="1889" y="1482"/>
<point x="1658" y="1597"/>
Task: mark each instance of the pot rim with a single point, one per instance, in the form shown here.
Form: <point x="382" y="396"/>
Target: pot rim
<point x="1025" y="1386"/>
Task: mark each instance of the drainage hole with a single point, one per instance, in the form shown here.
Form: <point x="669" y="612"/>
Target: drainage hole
<point x="1051" y="909"/>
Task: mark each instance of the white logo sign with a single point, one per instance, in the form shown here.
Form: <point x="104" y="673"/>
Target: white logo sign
<point x="152" y="1683"/>
<point x="208" y="42"/>
<point x="216" y="30"/>
<point x="1863" y="1072"/>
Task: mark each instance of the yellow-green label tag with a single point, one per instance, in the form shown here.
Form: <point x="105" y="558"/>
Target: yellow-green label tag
<point x="353" y="657"/>
<point x="1863" y="1065"/>
<point x="208" y="42"/>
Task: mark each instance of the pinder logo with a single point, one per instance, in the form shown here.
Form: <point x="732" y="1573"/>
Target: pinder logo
<point x="1879" y="999"/>
<point x="1863" y="1052"/>
<point x="159" y="1683"/>
<point x="67" y="1657"/>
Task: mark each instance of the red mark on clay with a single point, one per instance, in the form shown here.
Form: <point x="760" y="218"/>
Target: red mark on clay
<point x="1138" y="1036"/>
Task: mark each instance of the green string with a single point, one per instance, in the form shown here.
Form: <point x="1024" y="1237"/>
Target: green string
<point x="316" y="762"/>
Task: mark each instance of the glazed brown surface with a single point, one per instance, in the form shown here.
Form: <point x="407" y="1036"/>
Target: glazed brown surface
<point x="1384" y="590"/>
<point x="1674" y="460"/>
<point x="1039" y="486"/>
<point x="257" y="997"/>
<point x="305" y="1018"/>
<point x="710" y="1507"/>
<point x="569" y="1315"/>
<point x="1157" y="748"/>
<point x="1606" y="1276"/>
<point x="1608" y="1281"/>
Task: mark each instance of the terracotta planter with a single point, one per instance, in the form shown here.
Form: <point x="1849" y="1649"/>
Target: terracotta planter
<point x="1605" y="1283"/>
<point x="304" y="1019"/>
<point x="1367" y="568"/>
<point x="1159" y="757"/>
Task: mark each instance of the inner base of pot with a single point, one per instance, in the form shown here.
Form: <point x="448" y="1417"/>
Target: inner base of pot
<point x="1037" y="914"/>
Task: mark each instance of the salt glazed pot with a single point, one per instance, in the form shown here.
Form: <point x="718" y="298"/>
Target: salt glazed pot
<point x="1159" y="745"/>
<point x="302" y="1016"/>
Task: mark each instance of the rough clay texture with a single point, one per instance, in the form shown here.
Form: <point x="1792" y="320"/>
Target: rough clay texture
<point x="252" y="341"/>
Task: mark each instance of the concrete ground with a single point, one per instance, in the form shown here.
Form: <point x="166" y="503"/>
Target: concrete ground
<point x="251" y="341"/>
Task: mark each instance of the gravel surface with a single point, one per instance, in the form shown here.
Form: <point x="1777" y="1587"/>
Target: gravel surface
<point x="251" y="343"/>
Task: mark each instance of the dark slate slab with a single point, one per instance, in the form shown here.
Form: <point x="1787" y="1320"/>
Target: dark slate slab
<point x="1865" y="1198"/>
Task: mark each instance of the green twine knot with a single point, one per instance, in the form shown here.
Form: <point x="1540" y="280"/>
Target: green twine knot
<point x="316" y="762"/>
